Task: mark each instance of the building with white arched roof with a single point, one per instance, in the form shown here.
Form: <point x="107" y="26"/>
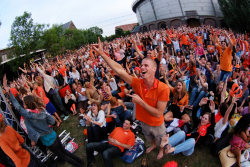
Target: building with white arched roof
<point x="157" y="14"/>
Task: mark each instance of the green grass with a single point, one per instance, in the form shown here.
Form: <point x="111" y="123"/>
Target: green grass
<point x="200" y="158"/>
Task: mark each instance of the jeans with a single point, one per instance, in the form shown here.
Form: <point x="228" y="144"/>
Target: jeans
<point x="96" y="133"/>
<point x="186" y="147"/>
<point x="115" y="94"/>
<point x="108" y="152"/>
<point x="224" y="75"/>
<point x="131" y="106"/>
<point x="192" y="100"/>
<point x="57" y="101"/>
<point x="58" y="149"/>
<point x="121" y="116"/>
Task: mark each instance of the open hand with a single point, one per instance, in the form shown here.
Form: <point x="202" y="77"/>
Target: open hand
<point x="100" y="47"/>
<point x="212" y="106"/>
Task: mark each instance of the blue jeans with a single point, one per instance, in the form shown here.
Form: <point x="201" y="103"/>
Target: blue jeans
<point x="192" y="100"/>
<point x="186" y="147"/>
<point x="224" y="75"/>
<point x="108" y="152"/>
<point x="121" y="116"/>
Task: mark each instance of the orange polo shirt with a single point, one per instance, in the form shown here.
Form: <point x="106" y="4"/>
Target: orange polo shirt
<point x="123" y="136"/>
<point x="159" y="92"/>
<point x="225" y="58"/>
<point x="10" y="142"/>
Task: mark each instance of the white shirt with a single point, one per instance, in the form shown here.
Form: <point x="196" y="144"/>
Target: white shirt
<point x="81" y="97"/>
<point x="176" y="45"/>
<point x="75" y="75"/>
<point x="100" y="118"/>
<point x="219" y="127"/>
<point x="113" y="84"/>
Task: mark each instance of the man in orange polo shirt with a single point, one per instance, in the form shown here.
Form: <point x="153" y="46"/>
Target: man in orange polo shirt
<point x="151" y="97"/>
<point x="225" y="53"/>
<point x="120" y="138"/>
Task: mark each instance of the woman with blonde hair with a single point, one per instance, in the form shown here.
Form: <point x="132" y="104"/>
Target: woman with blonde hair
<point x="180" y="101"/>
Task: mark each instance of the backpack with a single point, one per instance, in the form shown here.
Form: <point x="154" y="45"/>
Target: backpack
<point x="136" y="151"/>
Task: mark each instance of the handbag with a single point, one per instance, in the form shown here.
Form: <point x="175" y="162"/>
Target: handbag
<point x="227" y="158"/>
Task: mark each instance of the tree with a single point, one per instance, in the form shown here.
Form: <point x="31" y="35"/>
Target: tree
<point x="96" y="30"/>
<point x="236" y="14"/>
<point x="25" y="34"/>
<point x="119" y="32"/>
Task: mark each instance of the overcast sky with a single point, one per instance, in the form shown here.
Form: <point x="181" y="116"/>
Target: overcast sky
<point x="84" y="13"/>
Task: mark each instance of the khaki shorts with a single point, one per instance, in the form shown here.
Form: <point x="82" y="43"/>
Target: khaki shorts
<point x="153" y="132"/>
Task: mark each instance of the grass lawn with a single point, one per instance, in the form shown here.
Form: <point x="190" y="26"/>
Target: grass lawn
<point x="200" y="158"/>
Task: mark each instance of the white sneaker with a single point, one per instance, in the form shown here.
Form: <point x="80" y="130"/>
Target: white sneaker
<point x="95" y="153"/>
<point x="65" y="118"/>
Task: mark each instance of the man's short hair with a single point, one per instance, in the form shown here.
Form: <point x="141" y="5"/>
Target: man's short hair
<point x="153" y="62"/>
<point x="130" y="120"/>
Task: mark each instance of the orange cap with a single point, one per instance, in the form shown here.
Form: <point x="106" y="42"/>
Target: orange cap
<point x="237" y="66"/>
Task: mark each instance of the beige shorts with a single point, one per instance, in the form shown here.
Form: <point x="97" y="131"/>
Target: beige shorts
<point x="153" y="132"/>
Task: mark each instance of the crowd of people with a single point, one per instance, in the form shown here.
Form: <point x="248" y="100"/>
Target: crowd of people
<point x="187" y="87"/>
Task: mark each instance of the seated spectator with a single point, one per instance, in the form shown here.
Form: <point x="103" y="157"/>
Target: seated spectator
<point x="82" y="99"/>
<point x="185" y="143"/>
<point x="240" y="138"/>
<point x="200" y="91"/>
<point x="91" y="91"/>
<point x="181" y="100"/>
<point x="118" y="111"/>
<point x="96" y="123"/>
<point x="105" y="91"/>
<point x="70" y="101"/>
<point x="120" y="138"/>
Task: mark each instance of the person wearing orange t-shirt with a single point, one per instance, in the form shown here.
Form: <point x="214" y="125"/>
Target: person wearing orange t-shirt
<point x="151" y="97"/>
<point x="225" y="53"/>
<point x="184" y="40"/>
<point x="211" y="48"/>
<point x="11" y="144"/>
<point x="120" y="138"/>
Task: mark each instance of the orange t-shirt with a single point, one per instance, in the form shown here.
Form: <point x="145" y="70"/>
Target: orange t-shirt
<point x="199" y="40"/>
<point x="123" y="136"/>
<point x="210" y="48"/>
<point x="45" y="98"/>
<point x="159" y="92"/>
<point x="10" y="142"/>
<point x="62" y="71"/>
<point x="184" y="40"/>
<point x="225" y="59"/>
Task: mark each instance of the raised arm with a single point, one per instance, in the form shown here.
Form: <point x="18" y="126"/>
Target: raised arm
<point x="229" y="110"/>
<point x="113" y="65"/>
<point x="223" y="93"/>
